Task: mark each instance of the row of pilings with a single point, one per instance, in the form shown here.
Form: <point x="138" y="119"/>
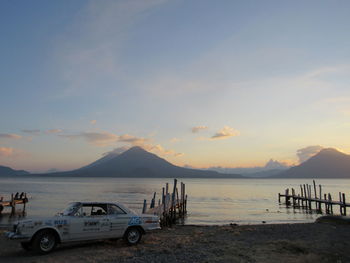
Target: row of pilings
<point x="171" y="206"/>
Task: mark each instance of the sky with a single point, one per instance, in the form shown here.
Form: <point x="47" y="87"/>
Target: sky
<point x="200" y="83"/>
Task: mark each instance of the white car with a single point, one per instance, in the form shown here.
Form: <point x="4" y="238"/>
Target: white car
<point x="82" y="221"/>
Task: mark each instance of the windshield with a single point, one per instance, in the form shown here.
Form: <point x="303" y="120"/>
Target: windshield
<point x="71" y="209"/>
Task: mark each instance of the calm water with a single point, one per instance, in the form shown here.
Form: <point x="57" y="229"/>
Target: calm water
<point x="210" y="201"/>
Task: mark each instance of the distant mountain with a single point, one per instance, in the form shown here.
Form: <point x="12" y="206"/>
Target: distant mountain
<point x="7" y="171"/>
<point x="136" y="162"/>
<point x="328" y="163"/>
<point x="272" y="167"/>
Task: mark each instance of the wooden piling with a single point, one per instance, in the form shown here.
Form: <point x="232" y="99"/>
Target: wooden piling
<point x="144" y="206"/>
<point x="307" y="197"/>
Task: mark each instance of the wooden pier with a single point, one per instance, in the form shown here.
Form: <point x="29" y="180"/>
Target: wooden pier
<point x="16" y="199"/>
<point x="171" y="207"/>
<point x="312" y="200"/>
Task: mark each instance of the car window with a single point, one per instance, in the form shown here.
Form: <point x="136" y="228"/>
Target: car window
<point x="99" y="209"/>
<point x="92" y="210"/>
<point x="71" y="209"/>
<point x="115" y="210"/>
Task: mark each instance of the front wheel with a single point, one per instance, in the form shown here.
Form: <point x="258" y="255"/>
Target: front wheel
<point x="44" y="242"/>
<point x="133" y="236"/>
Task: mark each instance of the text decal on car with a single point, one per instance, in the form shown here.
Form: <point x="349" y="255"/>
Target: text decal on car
<point x="135" y="220"/>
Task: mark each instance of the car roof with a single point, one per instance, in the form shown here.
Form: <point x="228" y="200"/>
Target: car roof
<point x="107" y="203"/>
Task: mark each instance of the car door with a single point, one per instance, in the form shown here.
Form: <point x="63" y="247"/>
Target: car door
<point x="90" y="222"/>
<point x="119" y="220"/>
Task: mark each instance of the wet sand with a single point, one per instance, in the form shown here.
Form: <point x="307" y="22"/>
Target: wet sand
<point x="247" y="243"/>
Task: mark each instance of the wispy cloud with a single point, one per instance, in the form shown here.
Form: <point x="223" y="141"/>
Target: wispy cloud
<point x="306" y="153"/>
<point x="103" y="139"/>
<point x="116" y="151"/>
<point x="6" y="151"/>
<point x="52" y="131"/>
<point x="10" y="136"/>
<point x="95" y="138"/>
<point x="175" y="140"/>
<point x="199" y="128"/>
<point x="11" y="152"/>
<point x="225" y="133"/>
<point x="93" y="122"/>
<point x="32" y="132"/>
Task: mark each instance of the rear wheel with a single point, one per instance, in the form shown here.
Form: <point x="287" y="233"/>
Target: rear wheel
<point x="26" y="246"/>
<point x="133" y="236"/>
<point x="44" y="242"/>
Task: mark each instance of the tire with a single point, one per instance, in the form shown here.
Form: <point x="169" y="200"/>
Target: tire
<point x="133" y="236"/>
<point x="27" y="246"/>
<point x="44" y="242"/>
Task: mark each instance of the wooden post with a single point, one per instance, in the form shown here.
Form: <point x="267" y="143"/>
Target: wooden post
<point x="330" y="203"/>
<point x="287" y="197"/>
<point x="167" y="188"/>
<point x="305" y="195"/>
<point x="24" y="203"/>
<point x="153" y="201"/>
<point x="340" y="206"/>
<point x="315" y="189"/>
<point x="326" y="204"/>
<point x="173" y="201"/>
<point x="344" y="205"/>
<point x="13" y="205"/>
<point x="163" y="196"/>
<point x="320" y="204"/>
<point x="144" y="206"/>
<point x="184" y="202"/>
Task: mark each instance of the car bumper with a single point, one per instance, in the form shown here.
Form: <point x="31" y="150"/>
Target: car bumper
<point x="16" y="236"/>
<point x="150" y="227"/>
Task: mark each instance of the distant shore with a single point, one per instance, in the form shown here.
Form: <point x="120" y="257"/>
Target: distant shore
<point x="247" y="243"/>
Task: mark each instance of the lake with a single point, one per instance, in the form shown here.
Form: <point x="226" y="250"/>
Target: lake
<point x="210" y="201"/>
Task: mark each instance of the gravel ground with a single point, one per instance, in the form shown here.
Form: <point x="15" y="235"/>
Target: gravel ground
<point x="249" y="243"/>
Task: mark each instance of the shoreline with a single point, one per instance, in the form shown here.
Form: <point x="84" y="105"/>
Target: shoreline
<point x="300" y="242"/>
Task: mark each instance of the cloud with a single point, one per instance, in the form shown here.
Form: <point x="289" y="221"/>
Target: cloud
<point x="95" y="138"/>
<point x="107" y="139"/>
<point x="93" y="122"/>
<point x="10" y="136"/>
<point x="175" y="140"/>
<point x="117" y="151"/>
<point x="32" y="132"/>
<point x="225" y="133"/>
<point x="305" y="153"/>
<point x="199" y="128"/>
<point x="52" y="131"/>
<point x="6" y="151"/>
<point x="132" y="139"/>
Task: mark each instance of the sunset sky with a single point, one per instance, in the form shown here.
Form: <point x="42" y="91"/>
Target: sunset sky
<point x="199" y="83"/>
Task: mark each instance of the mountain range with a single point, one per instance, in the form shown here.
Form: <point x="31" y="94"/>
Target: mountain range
<point x="7" y="171"/>
<point x="328" y="163"/>
<point x="136" y="162"/>
<point x="272" y="167"/>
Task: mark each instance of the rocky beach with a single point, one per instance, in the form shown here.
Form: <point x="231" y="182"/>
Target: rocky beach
<point x="313" y="242"/>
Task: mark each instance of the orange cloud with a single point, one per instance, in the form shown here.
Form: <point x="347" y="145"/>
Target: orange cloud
<point x="6" y="151"/>
<point x="225" y="133"/>
<point x="10" y="136"/>
<point x="199" y="128"/>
